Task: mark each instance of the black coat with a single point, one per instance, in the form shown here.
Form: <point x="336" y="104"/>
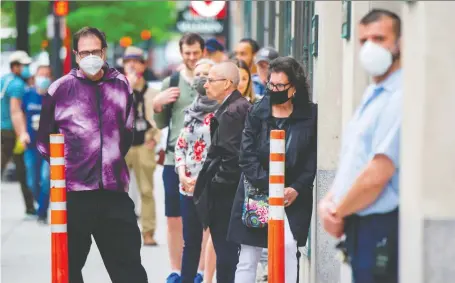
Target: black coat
<point x="300" y="168"/>
<point x="220" y="174"/>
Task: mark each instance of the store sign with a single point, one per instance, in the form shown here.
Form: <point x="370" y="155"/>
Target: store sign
<point x="203" y="18"/>
<point x="209" y="8"/>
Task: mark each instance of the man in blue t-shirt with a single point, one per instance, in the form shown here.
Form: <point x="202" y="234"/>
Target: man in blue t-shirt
<point x="36" y="166"/>
<point x="12" y="87"/>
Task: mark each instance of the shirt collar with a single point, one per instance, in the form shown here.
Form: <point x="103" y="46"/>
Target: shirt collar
<point x="222" y="103"/>
<point x="226" y="98"/>
<point x="392" y="82"/>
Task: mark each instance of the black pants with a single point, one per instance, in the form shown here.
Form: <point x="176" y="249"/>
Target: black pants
<point x="364" y="234"/>
<point x="227" y="253"/>
<point x="110" y="218"/>
<point x="8" y="143"/>
<point x="192" y="235"/>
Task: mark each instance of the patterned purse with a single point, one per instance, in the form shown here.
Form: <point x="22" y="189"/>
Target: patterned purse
<point x="255" y="207"/>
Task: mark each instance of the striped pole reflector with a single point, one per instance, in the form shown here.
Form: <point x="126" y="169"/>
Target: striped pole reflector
<point x="276" y="207"/>
<point x="58" y="210"/>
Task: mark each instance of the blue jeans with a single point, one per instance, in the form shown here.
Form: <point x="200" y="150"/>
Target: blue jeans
<point x="192" y="236"/>
<point x="38" y="178"/>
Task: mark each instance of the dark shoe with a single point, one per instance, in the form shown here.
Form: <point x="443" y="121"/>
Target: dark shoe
<point x="173" y="278"/>
<point x="42" y="220"/>
<point x="198" y="278"/>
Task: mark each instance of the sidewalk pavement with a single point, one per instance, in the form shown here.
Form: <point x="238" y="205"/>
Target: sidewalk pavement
<point x="26" y="247"/>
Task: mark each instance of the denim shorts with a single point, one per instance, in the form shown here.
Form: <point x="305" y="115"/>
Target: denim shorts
<point x="171" y="192"/>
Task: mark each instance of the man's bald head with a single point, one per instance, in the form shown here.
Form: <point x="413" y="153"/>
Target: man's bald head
<point x="222" y="80"/>
<point x="227" y="70"/>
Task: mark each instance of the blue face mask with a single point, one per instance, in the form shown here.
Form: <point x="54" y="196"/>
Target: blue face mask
<point x="25" y="74"/>
<point x="42" y="83"/>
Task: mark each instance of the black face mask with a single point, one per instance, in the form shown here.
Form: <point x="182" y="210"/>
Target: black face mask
<point x="278" y="97"/>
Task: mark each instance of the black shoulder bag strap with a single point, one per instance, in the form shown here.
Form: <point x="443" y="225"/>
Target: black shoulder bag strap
<point x="174" y="82"/>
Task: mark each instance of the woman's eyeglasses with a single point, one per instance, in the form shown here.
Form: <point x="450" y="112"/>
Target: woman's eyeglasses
<point x="277" y="87"/>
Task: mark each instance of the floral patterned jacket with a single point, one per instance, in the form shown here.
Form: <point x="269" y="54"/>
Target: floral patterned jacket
<point x="192" y="147"/>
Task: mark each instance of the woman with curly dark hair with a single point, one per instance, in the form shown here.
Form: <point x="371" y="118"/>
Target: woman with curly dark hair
<point x="285" y="106"/>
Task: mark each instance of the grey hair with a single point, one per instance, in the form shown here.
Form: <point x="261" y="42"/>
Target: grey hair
<point x="229" y="71"/>
<point x="204" y="61"/>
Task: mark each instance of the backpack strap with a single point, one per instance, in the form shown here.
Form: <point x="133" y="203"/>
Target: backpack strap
<point x="175" y="79"/>
<point x="174" y="82"/>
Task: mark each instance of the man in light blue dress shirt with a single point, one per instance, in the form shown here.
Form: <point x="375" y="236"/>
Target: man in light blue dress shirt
<point x="364" y="197"/>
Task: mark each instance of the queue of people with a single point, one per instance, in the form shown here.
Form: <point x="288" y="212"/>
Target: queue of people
<point x="203" y="149"/>
<point x="219" y="113"/>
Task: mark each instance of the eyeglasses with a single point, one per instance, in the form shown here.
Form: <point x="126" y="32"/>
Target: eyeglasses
<point x="209" y="80"/>
<point x="97" y="52"/>
<point x="278" y="87"/>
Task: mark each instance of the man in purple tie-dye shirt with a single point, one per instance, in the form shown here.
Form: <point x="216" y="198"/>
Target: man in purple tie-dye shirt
<point x="92" y="107"/>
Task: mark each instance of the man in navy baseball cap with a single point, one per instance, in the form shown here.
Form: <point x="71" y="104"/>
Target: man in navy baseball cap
<point x="214" y="50"/>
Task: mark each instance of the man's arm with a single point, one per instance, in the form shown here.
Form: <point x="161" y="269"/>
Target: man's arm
<point x="16" y="91"/>
<point x="47" y="126"/>
<point x="128" y="133"/>
<point x="17" y="116"/>
<point x="161" y="113"/>
<point x="368" y="186"/>
<point x="385" y="160"/>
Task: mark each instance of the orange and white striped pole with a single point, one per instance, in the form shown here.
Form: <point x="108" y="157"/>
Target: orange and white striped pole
<point x="276" y="207"/>
<point x="58" y="210"/>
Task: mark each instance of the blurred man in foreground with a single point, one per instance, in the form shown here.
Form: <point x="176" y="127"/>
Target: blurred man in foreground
<point x="364" y="199"/>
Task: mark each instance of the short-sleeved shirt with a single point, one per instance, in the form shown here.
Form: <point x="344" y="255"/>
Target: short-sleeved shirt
<point x="373" y="130"/>
<point x="31" y="105"/>
<point x="15" y="88"/>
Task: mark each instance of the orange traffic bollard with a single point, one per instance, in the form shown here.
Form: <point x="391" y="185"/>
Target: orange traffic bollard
<point x="58" y="210"/>
<point x="276" y="207"/>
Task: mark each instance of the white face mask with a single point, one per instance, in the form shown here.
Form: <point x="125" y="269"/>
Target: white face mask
<point x="91" y="64"/>
<point x="375" y="59"/>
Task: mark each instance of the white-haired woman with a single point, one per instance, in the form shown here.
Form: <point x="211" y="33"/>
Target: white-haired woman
<point x="190" y="153"/>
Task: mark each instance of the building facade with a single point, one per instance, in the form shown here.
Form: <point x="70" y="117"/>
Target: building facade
<point x="323" y="36"/>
